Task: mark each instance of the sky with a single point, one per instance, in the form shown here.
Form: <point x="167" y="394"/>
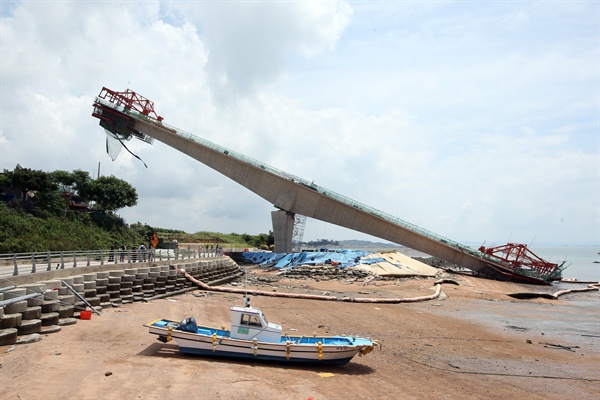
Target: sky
<point x="476" y="120"/>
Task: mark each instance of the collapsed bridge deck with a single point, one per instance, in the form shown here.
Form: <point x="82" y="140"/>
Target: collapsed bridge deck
<point x="291" y="194"/>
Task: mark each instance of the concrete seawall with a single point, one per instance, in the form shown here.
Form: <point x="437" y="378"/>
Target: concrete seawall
<point x="101" y="287"/>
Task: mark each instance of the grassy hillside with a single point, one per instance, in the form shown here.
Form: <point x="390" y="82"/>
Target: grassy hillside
<point x="23" y="232"/>
<point x="212" y="238"/>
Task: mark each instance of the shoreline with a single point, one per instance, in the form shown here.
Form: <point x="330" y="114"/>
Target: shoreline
<point x="475" y="343"/>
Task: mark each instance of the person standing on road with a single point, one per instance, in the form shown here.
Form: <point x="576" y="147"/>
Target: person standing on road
<point x="151" y="253"/>
<point x="142" y="251"/>
<point x="111" y="254"/>
<point x="122" y="253"/>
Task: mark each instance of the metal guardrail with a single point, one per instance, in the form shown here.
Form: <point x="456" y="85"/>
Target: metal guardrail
<point x="14" y="264"/>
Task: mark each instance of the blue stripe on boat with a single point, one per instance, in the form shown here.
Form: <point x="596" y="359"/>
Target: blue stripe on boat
<point x="220" y="353"/>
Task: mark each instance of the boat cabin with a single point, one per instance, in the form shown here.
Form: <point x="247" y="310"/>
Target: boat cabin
<point x="249" y="323"/>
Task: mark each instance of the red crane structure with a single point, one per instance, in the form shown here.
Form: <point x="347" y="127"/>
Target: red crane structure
<point x="131" y="101"/>
<point x="519" y="259"/>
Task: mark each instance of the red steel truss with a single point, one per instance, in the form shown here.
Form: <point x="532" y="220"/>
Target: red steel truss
<point x="518" y="256"/>
<point x="131" y="100"/>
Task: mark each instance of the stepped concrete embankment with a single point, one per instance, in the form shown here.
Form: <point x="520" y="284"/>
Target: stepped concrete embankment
<point x="100" y="286"/>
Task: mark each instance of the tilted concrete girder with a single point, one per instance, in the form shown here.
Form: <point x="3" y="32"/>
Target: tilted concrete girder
<point x="297" y="198"/>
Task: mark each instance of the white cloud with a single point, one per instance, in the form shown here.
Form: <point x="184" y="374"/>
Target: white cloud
<point x="249" y="41"/>
<point x="478" y="122"/>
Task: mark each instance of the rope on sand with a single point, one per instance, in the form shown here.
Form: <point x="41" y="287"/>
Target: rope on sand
<point x="437" y="285"/>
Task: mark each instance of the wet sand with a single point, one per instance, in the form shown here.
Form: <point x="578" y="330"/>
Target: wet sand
<point x="476" y="343"/>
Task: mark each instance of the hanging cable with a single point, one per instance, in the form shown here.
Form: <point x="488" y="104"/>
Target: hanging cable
<point x="130" y="152"/>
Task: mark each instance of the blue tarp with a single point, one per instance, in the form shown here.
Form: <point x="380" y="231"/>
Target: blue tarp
<point x="344" y="258"/>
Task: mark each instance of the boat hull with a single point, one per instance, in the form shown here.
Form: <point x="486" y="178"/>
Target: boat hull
<point x="263" y="357"/>
<point x="499" y="273"/>
<point x="331" y="350"/>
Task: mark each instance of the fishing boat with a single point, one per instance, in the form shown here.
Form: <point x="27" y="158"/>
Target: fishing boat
<point x="253" y="337"/>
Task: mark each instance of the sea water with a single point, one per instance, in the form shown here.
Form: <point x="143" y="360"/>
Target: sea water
<point x="583" y="262"/>
<point x="579" y="260"/>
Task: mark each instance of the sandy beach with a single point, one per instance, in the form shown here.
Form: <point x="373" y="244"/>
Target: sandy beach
<point x="474" y="342"/>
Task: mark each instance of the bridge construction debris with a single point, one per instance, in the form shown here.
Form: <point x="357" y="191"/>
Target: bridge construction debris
<point x="341" y="262"/>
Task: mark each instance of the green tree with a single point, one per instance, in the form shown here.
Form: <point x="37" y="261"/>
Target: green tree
<point x="4" y="179"/>
<point x="271" y="238"/>
<point x="111" y="193"/>
<point x="27" y="179"/>
<point x="51" y="202"/>
<point x="82" y="183"/>
<point x="63" y="179"/>
<point x="78" y="182"/>
<point x="143" y="230"/>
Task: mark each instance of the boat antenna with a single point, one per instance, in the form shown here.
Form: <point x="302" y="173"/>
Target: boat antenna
<point x="246" y="298"/>
<point x="530" y="243"/>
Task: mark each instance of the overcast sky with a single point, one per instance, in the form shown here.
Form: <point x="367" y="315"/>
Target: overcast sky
<point x="475" y="120"/>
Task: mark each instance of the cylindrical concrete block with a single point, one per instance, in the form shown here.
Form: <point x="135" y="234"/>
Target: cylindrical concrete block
<point x="10" y="320"/>
<point x="66" y="311"/>
<point x="67" y="280"/>
<point x="35" y="301"/>
<point x="32" y="313"/>
<point x="50" y="319"/>
<point x="78" y="287"/>
<point x="36" y="287"/>
<point x="17" y="307"/>
<point x="126" y="285"/>
<point x="8" y="336"/>
<point x="89" y="284"/>
<point x="51" y="295"/>
<point x="13" y="293"/>
<point x="66" y="299"/>
<point x="50" y="306"/>
<point x="90" y="277"/>
<point x="30" y="326"/>
<point x="101" y="289"/>
<point x="101" y="282"/>
<point x="52" y="284"/>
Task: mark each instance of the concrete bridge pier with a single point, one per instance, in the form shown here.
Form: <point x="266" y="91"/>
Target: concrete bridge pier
<point x="283" y="229"/>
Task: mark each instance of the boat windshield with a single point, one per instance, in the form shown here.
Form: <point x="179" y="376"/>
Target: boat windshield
<point x="250" y="319"/>
<point x="264" y="318"/>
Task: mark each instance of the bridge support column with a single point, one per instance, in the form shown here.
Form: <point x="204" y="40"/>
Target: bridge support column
<point x="283" y="228"/>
